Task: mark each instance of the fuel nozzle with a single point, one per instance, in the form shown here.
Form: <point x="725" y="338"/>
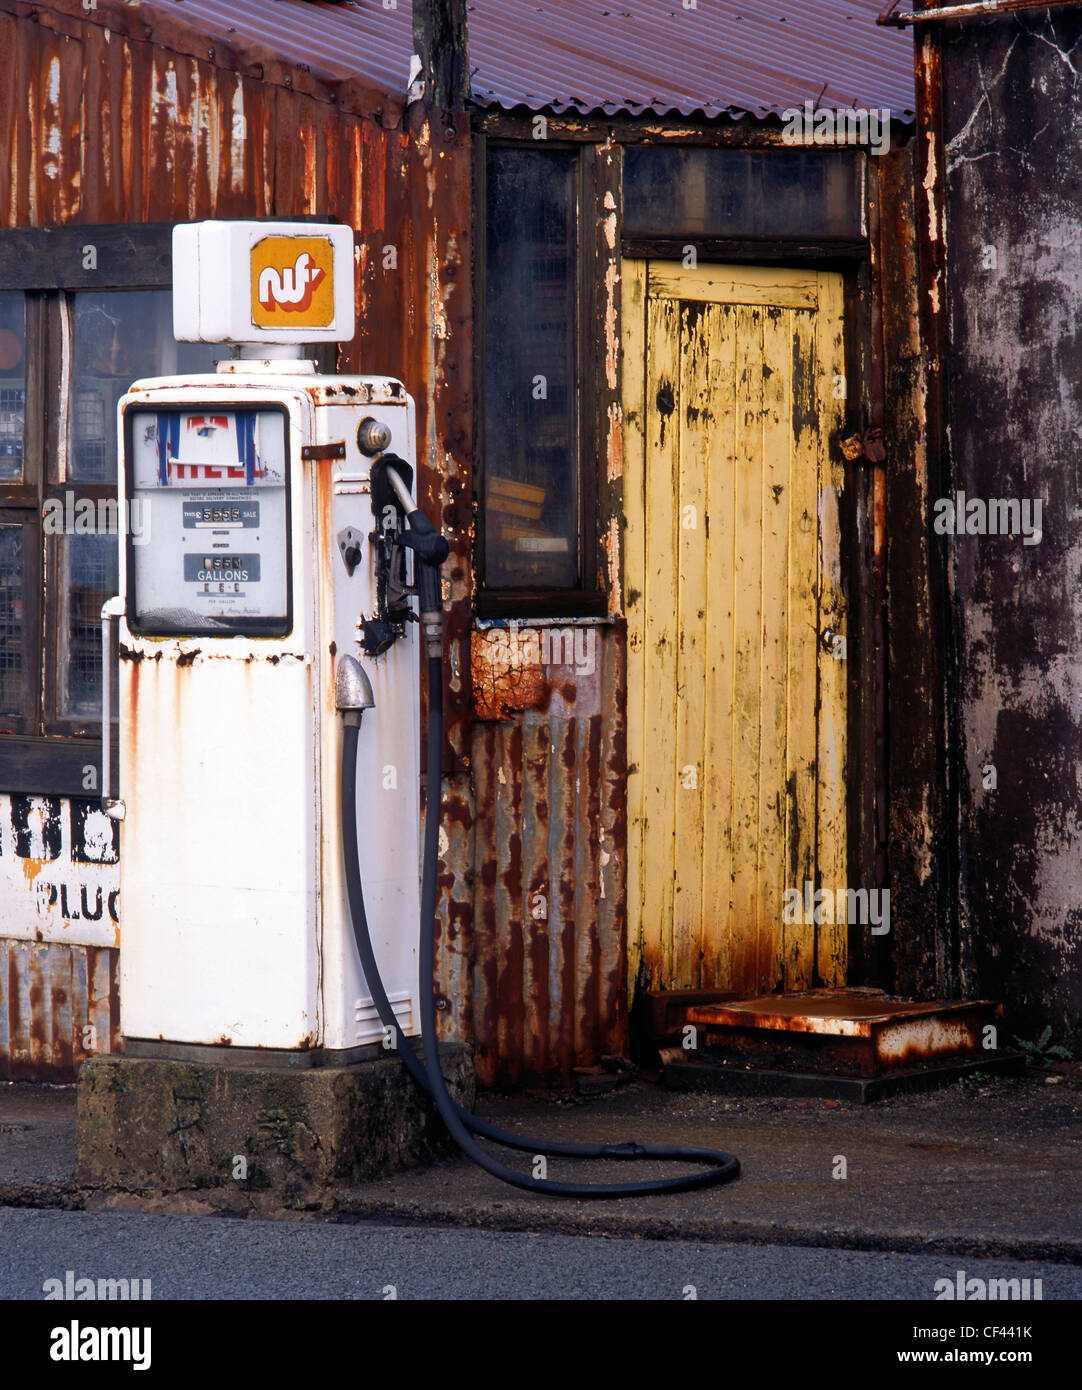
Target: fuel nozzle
<point x="429" y="547"/>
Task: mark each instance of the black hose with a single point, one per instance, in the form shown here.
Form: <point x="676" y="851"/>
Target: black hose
<point x="721" y="1167"/>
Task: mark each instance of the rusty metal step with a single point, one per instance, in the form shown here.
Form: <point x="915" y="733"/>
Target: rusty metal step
<point x="845" y="1032"/>
<point x="668" y="1009"/>
<point x="658" y="1019"/>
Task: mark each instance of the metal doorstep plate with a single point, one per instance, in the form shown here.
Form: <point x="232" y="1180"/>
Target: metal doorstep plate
<point x="845" y="1032"/>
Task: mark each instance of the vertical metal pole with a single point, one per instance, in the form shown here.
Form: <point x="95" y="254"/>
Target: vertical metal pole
<point x="110" y="609"/>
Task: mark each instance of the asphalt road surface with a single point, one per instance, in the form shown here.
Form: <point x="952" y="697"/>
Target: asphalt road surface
<point x="190" y="1257"/>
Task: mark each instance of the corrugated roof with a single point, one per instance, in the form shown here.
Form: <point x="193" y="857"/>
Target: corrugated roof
<point x="337" y="41"/>
<point x="722" y="57"/>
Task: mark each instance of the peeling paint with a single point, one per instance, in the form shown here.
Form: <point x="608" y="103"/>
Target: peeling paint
<point x="614" y="443"/>
<point x="611" y="545"/>
<point x="612" y="338"/>
<point x="1014" y="298"/>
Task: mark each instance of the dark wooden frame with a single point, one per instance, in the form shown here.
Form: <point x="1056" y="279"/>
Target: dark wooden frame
<point x="513" y="130"/>
<point x="863" y="563"/>
<point x="585" y="599"/>
<point x="42" y="753"/>
<point x="27" y="719"/>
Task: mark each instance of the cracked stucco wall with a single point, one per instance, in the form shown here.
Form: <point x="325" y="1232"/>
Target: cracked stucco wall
<point x="1013" y="145"/>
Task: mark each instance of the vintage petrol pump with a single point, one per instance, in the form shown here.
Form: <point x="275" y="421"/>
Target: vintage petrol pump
<point x="262" y="567"/>
<point x="269" y="862"/>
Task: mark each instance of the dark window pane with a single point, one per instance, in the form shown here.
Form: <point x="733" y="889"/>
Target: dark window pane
<point x="119" y="336"/>
<point x="12" y="386"/>
<point x="741" y="193"/>
<point x="12" y="630"/>
<point x="88" y="569"/>
<point x="531" y="436"/>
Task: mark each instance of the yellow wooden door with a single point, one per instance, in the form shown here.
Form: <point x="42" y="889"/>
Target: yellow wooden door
<point x="736" y="713"/>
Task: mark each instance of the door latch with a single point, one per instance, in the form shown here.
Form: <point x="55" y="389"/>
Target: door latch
<point x="868" y="446"/>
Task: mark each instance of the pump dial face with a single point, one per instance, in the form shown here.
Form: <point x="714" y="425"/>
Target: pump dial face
<point x="211" y="555"/>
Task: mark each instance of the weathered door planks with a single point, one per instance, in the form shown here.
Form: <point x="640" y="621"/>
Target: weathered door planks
<point x="736" y="701"/>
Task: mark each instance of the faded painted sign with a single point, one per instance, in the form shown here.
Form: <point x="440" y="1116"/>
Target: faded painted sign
<point x="59" y="871"/>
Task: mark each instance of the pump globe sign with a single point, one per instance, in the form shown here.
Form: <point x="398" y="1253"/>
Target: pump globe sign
<point x="263" y="282"/>
<point x="293" y="282"/>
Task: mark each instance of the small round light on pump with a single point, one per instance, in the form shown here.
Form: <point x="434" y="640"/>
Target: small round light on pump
<point x="372" y="436"/>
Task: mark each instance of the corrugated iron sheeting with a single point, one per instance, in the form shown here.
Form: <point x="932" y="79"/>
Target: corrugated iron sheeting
<point x="58" y="1005"/>
<point x="341" y="41"/>
<point x="546" y="945"/>
<point x="722" y="57"/>
<point x="357" y="61"/>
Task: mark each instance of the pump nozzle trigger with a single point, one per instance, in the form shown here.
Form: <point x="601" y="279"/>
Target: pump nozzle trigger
<point x="424" y="540"/>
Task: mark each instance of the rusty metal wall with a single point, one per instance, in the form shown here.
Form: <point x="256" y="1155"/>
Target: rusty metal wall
<point x="58" y="1005"/>
<point x="119" y="115"/>
<point x="104" y="127"/>
<point x="533" y="962"/>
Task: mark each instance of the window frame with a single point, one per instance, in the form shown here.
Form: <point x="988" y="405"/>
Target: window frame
<point x="21" y="725"/>
<point x="45" y="754"/>
<point x="40" y="753"/>
<point x="585" y="599"/>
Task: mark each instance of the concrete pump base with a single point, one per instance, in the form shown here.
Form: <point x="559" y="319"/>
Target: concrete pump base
<point x="150" y="1125"/>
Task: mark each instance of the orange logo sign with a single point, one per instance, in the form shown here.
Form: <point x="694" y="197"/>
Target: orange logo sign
<point x="293" y="282"/>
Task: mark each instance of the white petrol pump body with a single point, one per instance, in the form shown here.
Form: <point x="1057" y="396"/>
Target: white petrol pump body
<point x="239" y="601"/>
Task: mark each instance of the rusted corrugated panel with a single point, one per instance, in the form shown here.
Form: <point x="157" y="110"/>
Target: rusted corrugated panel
<point x="105" y="128"/>
<point x="593" y="55"/>
<point x="58" y="1005"/>
<point x="128" y="142"/>
<point x="549" y="941"/>
<point x="40" y="105"/>
<point x="356" y="58"/>
<point x="146" y="133"/>
<point x="718" y="58"/>
<point x="584" y="55"/>
<point x="119" y="130"/>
